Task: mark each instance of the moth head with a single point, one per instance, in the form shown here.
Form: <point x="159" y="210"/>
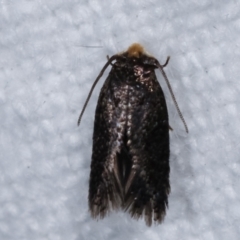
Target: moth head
<point x="135" y="50"/>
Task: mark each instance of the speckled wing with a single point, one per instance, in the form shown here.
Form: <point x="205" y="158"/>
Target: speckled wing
<point x="147" y="189"/>
<point x="103" y="195"/>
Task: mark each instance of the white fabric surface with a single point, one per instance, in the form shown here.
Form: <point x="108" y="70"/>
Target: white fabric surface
<point x="52" y="51"/>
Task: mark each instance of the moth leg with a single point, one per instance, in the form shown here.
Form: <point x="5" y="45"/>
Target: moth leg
<point x="170" y="128"/>
<point x="166" y="63"/>
<point x="108" y="60"/>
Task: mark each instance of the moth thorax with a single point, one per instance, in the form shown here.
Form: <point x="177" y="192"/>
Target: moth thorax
<point x="135" y="50"/>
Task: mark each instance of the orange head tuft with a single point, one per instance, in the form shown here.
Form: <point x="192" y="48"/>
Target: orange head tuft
<point x="135" y="50"/>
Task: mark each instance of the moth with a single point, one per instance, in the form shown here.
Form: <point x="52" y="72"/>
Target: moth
<point x="130" y="154"/>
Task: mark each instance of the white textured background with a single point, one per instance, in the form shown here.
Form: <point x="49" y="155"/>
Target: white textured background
<point x="50" y="54"/>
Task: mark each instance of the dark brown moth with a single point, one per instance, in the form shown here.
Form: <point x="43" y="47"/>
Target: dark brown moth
<point x="130" y="156"/>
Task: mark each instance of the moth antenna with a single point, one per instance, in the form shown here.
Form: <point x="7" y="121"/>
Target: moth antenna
<point x="171" y="91"/>
<point x="94" y="84"/>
